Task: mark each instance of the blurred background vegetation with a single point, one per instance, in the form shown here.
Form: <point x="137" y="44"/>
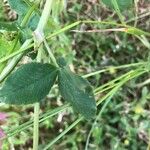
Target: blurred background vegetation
<point x="125" y="122"/>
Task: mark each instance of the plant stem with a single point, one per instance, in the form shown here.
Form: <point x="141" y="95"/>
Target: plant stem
<point x="23" y="23"/>
<point x="39" y="32"/>
<point x="26" y="125"/>
<point x="28" y="15"/>
<point x="51" y="54"/>
<point x="36" y="126"/>
<point x="96" y="120"/>
<point x="114" y="67"/>
<point x="21" y="50"/>
<point x="101" y="30"/>
<point x="117" y="9"/>
<point x="36" y="112"/>
<point x="136" y="12"/>
<point x="14" y="61"/>
<point x="38" y="38"/>
<point x="45" y="15"/>
<point x="63" y="133"/>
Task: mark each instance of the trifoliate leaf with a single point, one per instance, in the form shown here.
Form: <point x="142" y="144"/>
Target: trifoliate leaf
<point x="28" y="84"/>
<point x="77" y="91"/>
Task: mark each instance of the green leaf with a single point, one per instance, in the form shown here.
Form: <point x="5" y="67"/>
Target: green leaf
<point x="123" y="4"/>
<point x="21" y="7"/>
<point x="33" y="22"/>
<point x="57" y="7"/>
<point x="29" y="84"/>
<point x="77" y="91"/>
<point x="5" y="46"/>
<point x="61" y="62"/>
<point x="8" y="26"/>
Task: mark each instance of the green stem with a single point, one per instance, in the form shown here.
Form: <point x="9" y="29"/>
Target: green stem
<point x="65" y="29"/>
<point x="45" y="15"/>
<point x="51" y="54"/>
<point x="63" y="133"/>
<point x="38" y="37"/>
<point x="136" y="12"/>
<point x="21" y="50"/>
<point x="117" y="9"/>
<point x="36" y="126"/>
<point x="28" y="15"/>
<point x="42" y="118"/>
<point x="14" y="61"/>
<point x="114" y="67"/>
<point x="96" y="120"/>
<point x="39" y="32"/>
<point x="36" y="112"/>
<point x="23" y="23"/>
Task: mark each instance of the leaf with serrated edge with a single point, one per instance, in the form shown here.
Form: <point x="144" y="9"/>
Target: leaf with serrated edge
<point x="28" y="84"/>
<point x="78" y="92"/>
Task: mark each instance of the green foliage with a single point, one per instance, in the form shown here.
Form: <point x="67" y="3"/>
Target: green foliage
<point x="8" y="26"/>
<point x="5" y="46"/>
<point x="123" y="4"/>
<point x="57" y="8"/>
<point x="29" y="84"/>
<point x="78" y="92"/>
<point x="19" y="6"/>
<point x="124" y="123"/>
<point x="22" y="8"/>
